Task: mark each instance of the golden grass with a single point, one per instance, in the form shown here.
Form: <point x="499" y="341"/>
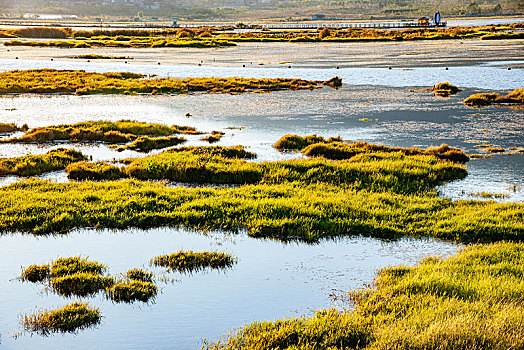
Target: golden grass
<point x="42" y="81"/>
<point x="67" y="319"/>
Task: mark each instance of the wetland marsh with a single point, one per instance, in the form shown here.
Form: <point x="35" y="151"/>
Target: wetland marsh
<point x="270" y="279"/>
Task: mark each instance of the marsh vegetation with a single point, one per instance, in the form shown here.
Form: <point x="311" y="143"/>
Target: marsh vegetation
<point x="469" y="301"/>
<point x="336" y="148"/>
<point x="208" y="37"/>
<point x="121" y="131"/>
<point x="46" y="81"/>
<point x="77" y="276"/>
<point x="516" y="97"/>
<point x="190" y="261"/>
<point x="69" y="318"/>
<point x="29" y="165"/>
<point x="372" y="194"/>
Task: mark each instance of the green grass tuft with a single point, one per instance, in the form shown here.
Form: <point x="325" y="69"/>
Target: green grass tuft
<point x="94" y="171"/>
<point x="35" y="273"/>
<point x="56" y="159"/>
<point x="140" y="275"/>
<point x="147" y="144"/>
<point x="70" y="318"/>
<point x="80" y="284"/>
<point x="129" y="291"/>
<point x="193" y="261"/>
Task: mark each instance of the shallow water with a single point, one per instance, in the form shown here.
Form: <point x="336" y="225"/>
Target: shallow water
<point x="395" y="117"/>
<point x="271" y="280"/>
<point x="480" y="76"/>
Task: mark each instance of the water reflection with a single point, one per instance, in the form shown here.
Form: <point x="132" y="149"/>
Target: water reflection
<point x="271" y="280"/>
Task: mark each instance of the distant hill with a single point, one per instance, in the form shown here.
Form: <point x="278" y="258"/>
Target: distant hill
<point x="261" y="9"/>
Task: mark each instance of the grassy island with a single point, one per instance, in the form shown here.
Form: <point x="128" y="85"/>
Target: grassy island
<point x="374" y="194"/>
<point x="70" y="318"/>
<point x="209" y="38"/>
<point x="336" y="148"/>
<point x="46" y="81"/>
<point x="77" y="276"/>
<point x="121" y="131"/>
<point x="516" y="97"/>
<point x="29" y="165"/>
<point x="193" y="261"/>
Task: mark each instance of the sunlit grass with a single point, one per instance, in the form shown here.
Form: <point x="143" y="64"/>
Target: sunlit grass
<point x="131" y="290"/>
<point x="470" y="301"/>
<point x="43" y="81"/>
<point x="121" y="131"/>
<point x="70" y="318"/>
<point x="56" y="159"/>
<point x="485" y="99"/>
<point x="190" y="261"/>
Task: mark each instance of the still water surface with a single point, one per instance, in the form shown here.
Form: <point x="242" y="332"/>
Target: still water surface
<point x="271" y="280"/>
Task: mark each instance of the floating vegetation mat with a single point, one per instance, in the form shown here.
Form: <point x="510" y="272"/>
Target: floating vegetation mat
<point x="469" y="301"/>
<point x="190" y="261"/>
<point x="68" y="319"/>
<point x="45" y="81"/>
<point x="444" y="89"/>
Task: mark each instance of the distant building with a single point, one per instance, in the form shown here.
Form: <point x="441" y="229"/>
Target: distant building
<point x="318" y="17"/>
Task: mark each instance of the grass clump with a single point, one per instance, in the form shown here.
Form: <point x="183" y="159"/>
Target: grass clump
<point x="190" y="261"/>
<point x="445" y="89"/>
<point x="469" y="301"/>
<point x="485" y="99"/>
<point x="193" y="167"/>
<point x="129" y="291"/>
<point x="140" y="275"/>
<point x="35" y="273"/>
<point x="76" y="264"/>
<point x="291" y="142"/>
<point x="147" y="144"/>
<point x="42" y="81"/>
<point x="233" y="152"/>
<point x="341" y="150"/>
<point x="70" y="318"/>
<point x="56" y="159"/>
<point x="80" y="283"/>
<point x="121" y="131"/>
<point x="94" y="171"/>
<point x="11" y="127"/>
<point x="336" y="148"/>
<point x="214" y="137"/>
<point x="102" y="57"/>
<point x="79" y="277"/>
